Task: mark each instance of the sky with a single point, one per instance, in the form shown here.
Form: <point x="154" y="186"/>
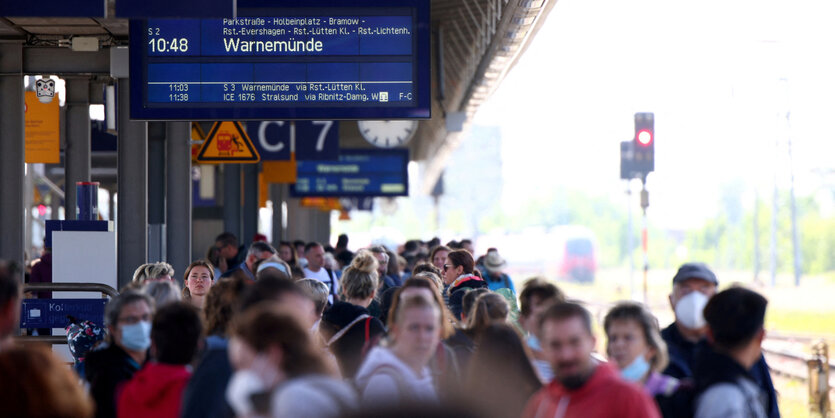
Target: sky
<point x="720" y="76"/>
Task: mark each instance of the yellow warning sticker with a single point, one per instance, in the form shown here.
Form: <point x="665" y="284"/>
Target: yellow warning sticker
<point x="227" y="142"/>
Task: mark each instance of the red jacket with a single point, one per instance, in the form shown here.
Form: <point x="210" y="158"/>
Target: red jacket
<point x="605" y="394"/>
<point x="155" y="391"/>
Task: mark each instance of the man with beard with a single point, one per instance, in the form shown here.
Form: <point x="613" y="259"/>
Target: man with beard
<point x="583" y="386"/>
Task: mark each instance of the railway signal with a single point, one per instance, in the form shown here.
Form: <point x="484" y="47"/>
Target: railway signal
<point x="644" y="144"/>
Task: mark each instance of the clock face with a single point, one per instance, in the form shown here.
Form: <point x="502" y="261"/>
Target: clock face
<point x="387" y="133"/>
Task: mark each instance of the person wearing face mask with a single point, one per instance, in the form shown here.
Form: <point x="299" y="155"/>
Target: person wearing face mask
<point x="157" y="389"/>
<point x="583" y="386"/>
<point x="536" y="296"/>
<point x="693" y="285"/>
<point x="280" y="372"/>
<point x="128" y="321"/>
<point x="635" y="347"/>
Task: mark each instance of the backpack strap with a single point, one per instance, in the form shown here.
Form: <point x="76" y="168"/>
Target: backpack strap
<point x="370" y="342"/>
<point x="333" y="285"/>
<point x="346" y="328"/>
<point x="402" y="387"/>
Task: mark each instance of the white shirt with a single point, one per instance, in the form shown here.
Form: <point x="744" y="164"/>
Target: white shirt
<point x="383" y="376"/>
<point x="322" y="276"/>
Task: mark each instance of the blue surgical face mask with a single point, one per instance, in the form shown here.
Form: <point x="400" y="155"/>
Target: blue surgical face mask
<point x="137" y="337"/>
<point x="533" y="342"/>
<point x="636" y="370"/>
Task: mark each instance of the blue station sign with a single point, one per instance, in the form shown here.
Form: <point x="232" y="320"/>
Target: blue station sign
<point x="321" y="60"/>
<point x="357" y="173"/>
<point x="52" y="313"/>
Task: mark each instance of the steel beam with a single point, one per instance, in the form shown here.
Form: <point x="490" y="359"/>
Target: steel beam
<point x="178" y="194"/>
<point x="39" y="61"/>
<point x="12" y="148"/>
<point x="132" y="214"/>
<point x="78" y="140"/>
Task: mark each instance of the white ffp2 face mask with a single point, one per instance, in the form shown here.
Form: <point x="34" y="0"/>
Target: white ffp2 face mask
<point x="690" y="310"/>
<point x="242" y="385"/>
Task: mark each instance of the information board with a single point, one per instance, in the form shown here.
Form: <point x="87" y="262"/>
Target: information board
<point x="52" y="313"/>
<point x="357" y="173"/>
<point x="321" y="60"/>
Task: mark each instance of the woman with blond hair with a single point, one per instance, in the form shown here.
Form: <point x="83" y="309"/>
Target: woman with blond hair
<point x="348" y="327"/>
<point x="398" y="372"/>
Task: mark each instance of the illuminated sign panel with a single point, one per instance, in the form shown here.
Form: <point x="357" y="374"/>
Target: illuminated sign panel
<point x="357" y="173"/>
<point x="284" y="63"/>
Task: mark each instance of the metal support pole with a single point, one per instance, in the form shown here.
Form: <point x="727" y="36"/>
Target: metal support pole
<point x="297" y="220"/>
<point x="250" y="213"/>
<point x="178" y="194"/>
<point x="798" y="269"/>
<point x="78" y="140"/>
<point x="774" y="206"/>
<point x="28" y="203"/>
<point x="132" y="213"/>
<point x="277" y="196"/>
<point x="111" y="205"/>
<point x="12" y="148"/>
<point x="232" y="199"/>
<point x="156" y="192"/>
<point x="645" y="235"/>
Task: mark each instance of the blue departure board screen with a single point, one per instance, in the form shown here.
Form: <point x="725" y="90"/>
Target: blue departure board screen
<point x="321" y="60"/>
<point x="357" y="173"/>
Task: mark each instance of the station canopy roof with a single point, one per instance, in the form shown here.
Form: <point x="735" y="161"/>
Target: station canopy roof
<point x="475" y="44"/>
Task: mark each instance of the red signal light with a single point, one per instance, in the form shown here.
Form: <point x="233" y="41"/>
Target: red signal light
<point x="644" y="137"/>
<point x="42" y="210"/>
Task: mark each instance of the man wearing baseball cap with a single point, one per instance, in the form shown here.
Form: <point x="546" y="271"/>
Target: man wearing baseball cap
<point x="693" y="285"/>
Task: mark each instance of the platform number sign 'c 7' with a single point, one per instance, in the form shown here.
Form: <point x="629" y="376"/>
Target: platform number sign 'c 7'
<point x="309" y="140"/>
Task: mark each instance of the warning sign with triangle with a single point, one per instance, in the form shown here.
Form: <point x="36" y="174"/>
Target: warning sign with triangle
<point x="197" y="138"/>
<point x="227" y="142"/>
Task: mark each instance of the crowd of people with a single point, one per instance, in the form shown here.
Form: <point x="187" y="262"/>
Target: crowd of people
<point x="308" y="330"/>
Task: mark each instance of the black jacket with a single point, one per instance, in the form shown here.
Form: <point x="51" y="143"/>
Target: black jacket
<point x="713" y="368"/>
<point x="683" y="355"/>
<point x="205" y="394"/>
<point x="360" y="334"/>
<point x="456" y="294"/>
<point x="107" y="370"/>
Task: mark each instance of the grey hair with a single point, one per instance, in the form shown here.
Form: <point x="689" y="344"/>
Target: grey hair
<point x="163" y="292"/>
<point x="434" y="278"/>
<point x="258" y="247"/>
<point x="318" y="291"/>
<point x="140" y="275"/>
<point x="114" y="308"/>
<point x="151" y="271"/>
<point x="380" y="250"/>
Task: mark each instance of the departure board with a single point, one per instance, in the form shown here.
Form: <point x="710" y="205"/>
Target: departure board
<point x="357" y="173"/>
<point x="320" y="61"/>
